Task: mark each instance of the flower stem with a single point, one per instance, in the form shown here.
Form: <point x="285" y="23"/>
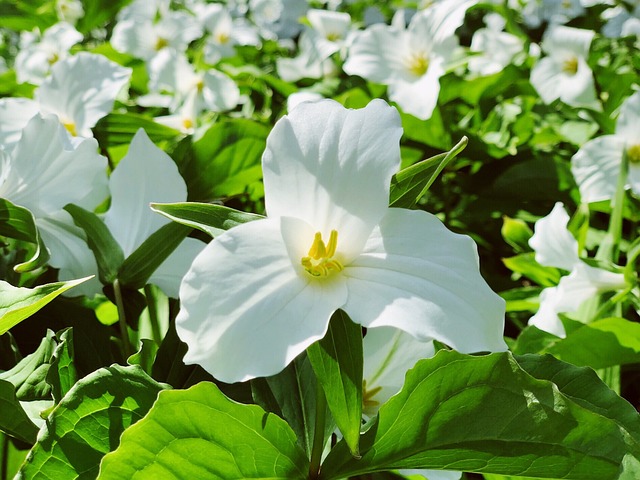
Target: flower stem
<point x="318" y="433"/>
<point x="152" y="305"/>
<point x="122" y="320"/>
<point x="610" y="247"/>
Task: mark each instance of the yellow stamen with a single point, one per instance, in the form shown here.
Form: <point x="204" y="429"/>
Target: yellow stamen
<point x="71" y="128"/>
<point x="187" y="124"/>
<point x="418" y="64"/>
<point x="53" y="58"/>
<point x="320" y="262"/>
<point x="570" y="65"/>
<point x="633" y="154"/>
<point x="333" y="36"/>
<point x="222" y="38"/>
<point x="368" y="404"/>
<point x="161" y="43"/>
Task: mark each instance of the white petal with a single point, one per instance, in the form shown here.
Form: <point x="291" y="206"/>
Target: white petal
<point x="220" y="93"/>
<point x="560" y="39"/>
<point x="331" y="167"/>
<point x="146" y="174"/>
<point x="553" y="243"/>
<point x="545" y="77"/>
<point x="246" y="310"/>
<point x="420" y="97"/>
<point x="416" y="275"/>
<point x="15" y="113"/>
<point x="628" y="124"/>
<point x="135" y="37"/>
<point x="596" y="167"/>
<point x="82" y="89"/>
<point x="579" y="90"/>
<point x="388" y="354"/>
<point x="69" y="253"/>
<point x="48" y="170"/>
<point x="171" y="272"/>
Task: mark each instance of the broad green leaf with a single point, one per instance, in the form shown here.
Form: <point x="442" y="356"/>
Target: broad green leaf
<point x="27" y="14"/>
<point x="207" y="217"/>
<point x="337" y="361"/>
<point x="291" y="395"/>
<point x="487" y="414"/>
<point x="199" y="433"/>
<point x="411" y="184"/>
<point x="106" y="249"/>
<point x="18" y="222"/>
<point x="13" y="454"/>
<point x="88" y="422"/>
<point x="526" y="264"/>
<point x="119" y="129"/>
<point x="522" y="299"/>
<point x="14" y="421"/>
<point x="62" y="374"/>
<point x="140" y="265"/>
<point x="224" y="161"/>
<point x="19" y="303"/>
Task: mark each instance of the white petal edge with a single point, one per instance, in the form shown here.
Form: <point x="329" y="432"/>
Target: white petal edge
<point x="554" y="245"/>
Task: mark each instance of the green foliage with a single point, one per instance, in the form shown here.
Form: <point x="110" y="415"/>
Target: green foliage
<point x="199" y="433"/>
<point x="18" y="222"/>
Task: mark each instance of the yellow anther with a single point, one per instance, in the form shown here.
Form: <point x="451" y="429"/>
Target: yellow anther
<point x="187" y="124"/>
<point x="200" y="85"/>
<point x="633" y="154"/>
<point x="71" y="128"/>
<point x="161" y="43"/>
<point x="53" y="58"/>
<point x="418" y="64"/>
<point x="320" y="261"/>
<point x="333" y="36"/>
<point x="570" y="65"/>
<point x="368" y="403"/>
<point x="222" y="38"/>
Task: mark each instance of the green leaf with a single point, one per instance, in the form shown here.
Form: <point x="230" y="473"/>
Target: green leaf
<point x="145" y="356"/>
<point x="291" y="395"/>
<point x="119" y="129"/>
<point x="412" y="183"/>
<point x="19" y="303"/>
<point x="18" y="222"/>
<point x="106" y="249"/>
<point x="488" y="414"/>
<point x="207" y="217"/>
<point x="199" y="433"/>
<point x="337" y="361"/>
<point x="97" y="13"/>
<point x="14" y="421"/>
<point x="516" y="233"/>
<point x="88" y="422"/>
<point x="62" y="374"/>
<point x="526" y="264"/>
<point x="224" y="161"/>
<point x="140" y="265"/>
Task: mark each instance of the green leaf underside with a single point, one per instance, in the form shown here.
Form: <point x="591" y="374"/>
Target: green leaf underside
<point x="207" y="217"/>
<point x="18" y="222"/>
<point x="411" y="184"/>
<point x="487" y="414"/>
<point x="14" y="421"/>
<point x="199" y="433"/>
<point x="337" y="361"/>
<point x="106" y="249"/>
<point x="88" y="422"/>
<point x="18" y="303"/>
<point x="140" y="265"/>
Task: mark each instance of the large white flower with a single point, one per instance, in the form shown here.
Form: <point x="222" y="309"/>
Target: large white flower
<point x="555" y="246"/>
<point x="596" y="166"/>
<point x="80" y="91"/>
<point x="262" y="292"/>
<point x="564" y="72"/>
<point x="412" y="60"/>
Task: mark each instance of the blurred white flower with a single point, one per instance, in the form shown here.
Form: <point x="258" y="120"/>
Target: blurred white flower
<point x="69" y="10"/>
<point x="278" y="19"/>
<point x="496" y="49"/>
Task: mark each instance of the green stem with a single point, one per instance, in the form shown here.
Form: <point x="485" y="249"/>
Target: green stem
<point x="122" y="320"/>
<point x="610" y="248"/>
<point x="4" y="469"/>
<point x="153" y="313"/>
<point x="318" y="433"/>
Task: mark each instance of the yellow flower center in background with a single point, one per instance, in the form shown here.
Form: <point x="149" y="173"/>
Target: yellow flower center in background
<point x="161" y="43"/>
<point x="570" y="65"/>
<point x="53" y="58"/>
<point x="333" y="36"/>
<point x="222" y="38"/>
<point x="418" y="64"/>
<point x="187" y="124"/>
<point x="633" y="154"/>
<point x="320" y="261"/>
<point x="71" y="128"/>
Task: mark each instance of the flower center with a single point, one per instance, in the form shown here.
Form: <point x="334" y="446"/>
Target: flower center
<point x="222" y="38"/>
<point x="418" y="64"/>
<point x="369" y="405"/>
<point x="320" y="261"/>
<point x="187" y="123"/>
<point x="570" y="65"/>
<point x="71" y="128"/>
<point x="161" y="43"/>
<point x="333" y="36"/>
<point x="633" y="154"/>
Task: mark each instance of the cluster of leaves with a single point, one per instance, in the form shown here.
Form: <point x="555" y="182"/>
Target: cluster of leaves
<point x="105" y="397"/>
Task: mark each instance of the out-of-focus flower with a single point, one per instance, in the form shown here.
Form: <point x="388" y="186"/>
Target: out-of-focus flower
<point x="80" y="91"/>
<point x="69" y="10"/>
<point x="278" y="19"/>
<point x="564" y="74"/>
<point x="621" y="22"/>
<point x="555" y="246"/>
<point x="554" y="12"/>
<point x="262" y="292"/>
<point x="596" y="165"/>
<point x="34" y="62"/>
<point x="495" y="49"/>
<point x="412" y="60"/>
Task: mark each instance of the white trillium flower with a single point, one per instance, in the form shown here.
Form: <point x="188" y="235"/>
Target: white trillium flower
<point x="261" y="293"/>
<point x="225" y="31"/>
<point x="555" y="246"/>
<point x="596" y="165"/>
<point x="278" y="19"/>
<point x="69" y="10"/>
<point x="621" y="22"/>
<point x="555" y="12"/>
<point x="34" y="62"/>
<point x="45" y="171"/>
<point x="496" y="49"/>
<point x="80" y="91"/>
<point x="564" y="74"/>
<point x="412" y="60"/>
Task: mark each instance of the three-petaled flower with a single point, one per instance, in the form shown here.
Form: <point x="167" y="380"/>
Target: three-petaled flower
<point x="261" y="293"/>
